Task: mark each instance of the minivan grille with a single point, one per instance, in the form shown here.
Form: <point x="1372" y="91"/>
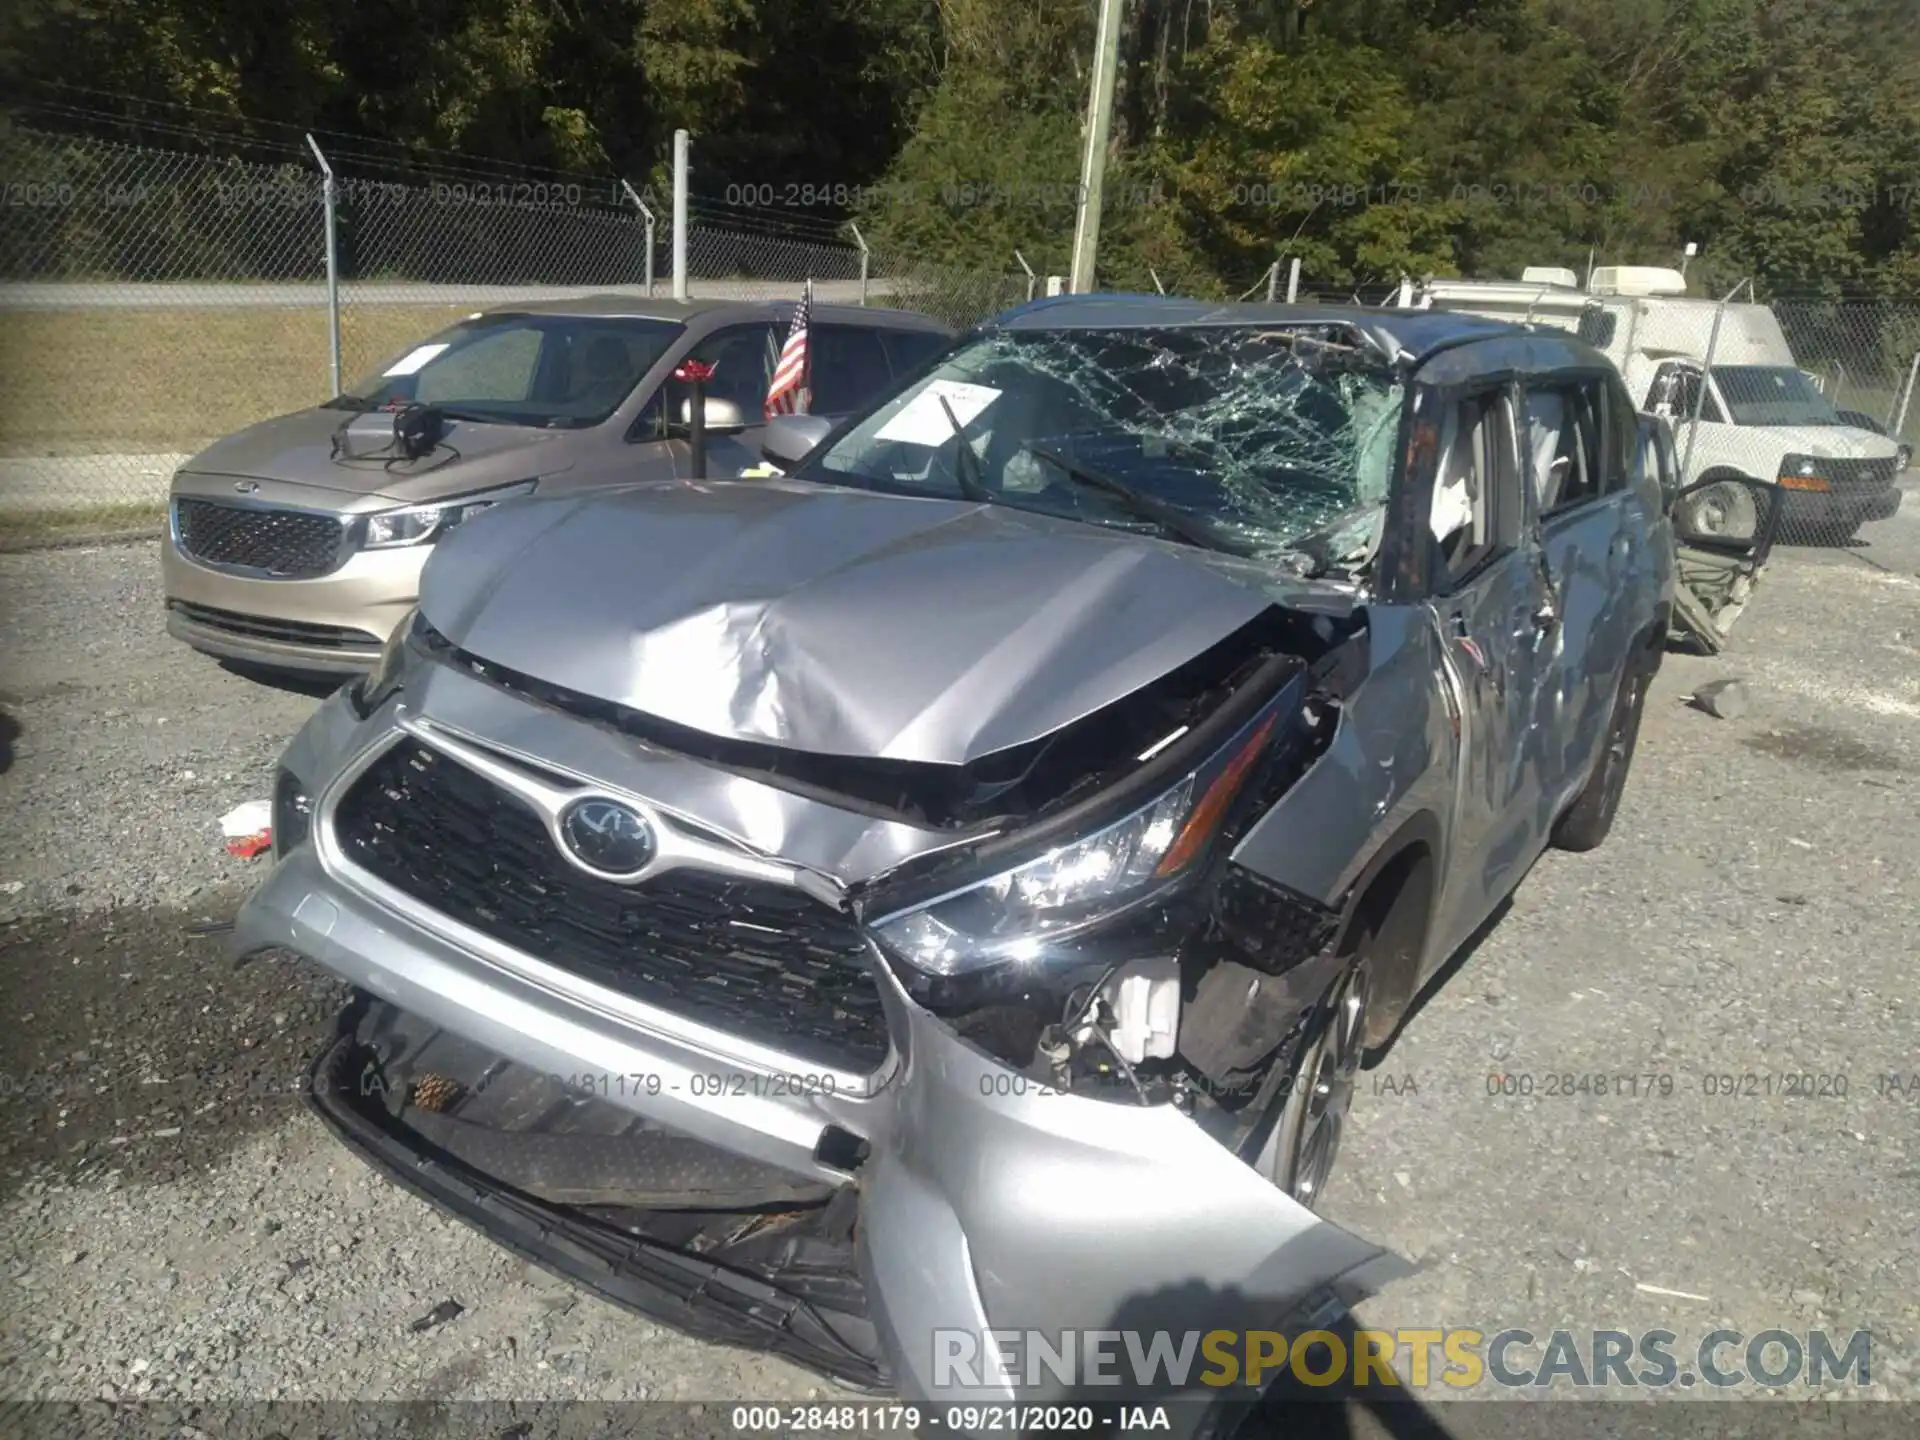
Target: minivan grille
<point x="747" y="957"/>
<point x="286" y="544"/>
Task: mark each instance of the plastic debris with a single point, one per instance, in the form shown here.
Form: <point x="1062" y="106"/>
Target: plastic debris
<point x="440" y="1314"/>
<point x="248" y="828"/>
<point x="1722" y="699"/>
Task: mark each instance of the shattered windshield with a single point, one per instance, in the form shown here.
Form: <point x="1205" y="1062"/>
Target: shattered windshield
<point x="1246" y="439"/>
<point x="1772" y="395"/>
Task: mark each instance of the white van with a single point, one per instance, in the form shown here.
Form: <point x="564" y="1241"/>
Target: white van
<point x="1762" y="417"/>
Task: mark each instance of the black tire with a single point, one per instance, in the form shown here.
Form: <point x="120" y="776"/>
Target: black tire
<point x="1586" y="822"/>
<point x="1721" y="508"/>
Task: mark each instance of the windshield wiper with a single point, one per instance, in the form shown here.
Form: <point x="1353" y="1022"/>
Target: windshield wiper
<point x="1144" y="506"/>
<point x="476" y="417"/>
<point x="967" y="476"/>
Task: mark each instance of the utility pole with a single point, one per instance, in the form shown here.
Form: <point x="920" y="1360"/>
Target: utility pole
<point x="680" y="169"/>
<point x="1093" y="168"/>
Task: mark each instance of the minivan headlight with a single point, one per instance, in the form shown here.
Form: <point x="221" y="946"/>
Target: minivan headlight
<point x="1013" y="916"/>
<point x="416" y="524"/>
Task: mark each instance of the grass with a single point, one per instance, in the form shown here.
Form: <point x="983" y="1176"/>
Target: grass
<point x="36" y="529"/>
<point x="166" y="380"/>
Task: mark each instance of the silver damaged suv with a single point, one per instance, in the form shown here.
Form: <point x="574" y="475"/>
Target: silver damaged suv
<point x="955" y="884"/>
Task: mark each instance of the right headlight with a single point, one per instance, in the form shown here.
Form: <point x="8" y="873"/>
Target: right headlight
<point x="416" y="524"/>
<point x="1016" y="915"/>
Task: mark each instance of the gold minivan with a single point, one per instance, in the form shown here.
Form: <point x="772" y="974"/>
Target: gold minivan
<point x="297" y="543"/>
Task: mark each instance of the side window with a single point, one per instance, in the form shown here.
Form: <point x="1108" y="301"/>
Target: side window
<point x="500" y="366"/>
<point x="910" y="349"/>
<point x="1475" y="485"/>
<point x="849" y="368"/>
<point x="1676" y="390"/>
<point x="1564" y="445"/>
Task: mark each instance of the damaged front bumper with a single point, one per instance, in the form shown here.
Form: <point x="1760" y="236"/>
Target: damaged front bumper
<point x="870" y="1221"/>
<point x="977" y="1209"/>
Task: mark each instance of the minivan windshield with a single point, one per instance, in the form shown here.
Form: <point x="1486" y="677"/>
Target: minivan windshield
<point x="551" y="371"/>
<point x="1246" y="439"/>
<point x="1772" y="395"/>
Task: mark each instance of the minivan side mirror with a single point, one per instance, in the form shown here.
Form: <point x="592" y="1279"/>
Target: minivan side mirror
<point x="789" y="439"/>
<point x="721" y="415"/>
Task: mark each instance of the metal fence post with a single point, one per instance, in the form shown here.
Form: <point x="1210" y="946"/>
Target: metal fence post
<point x="866" y="258"/>
<point x="1032" y="279"/>
<point x="1898" y="421"/>
<point x="647" y="215"/>
<point x="1273" y="281"/>
<point x="1700" y="395"/>
<point x="680" y="138"/>
<point x="331" y="195"/>
<point x="1293" y="281"/>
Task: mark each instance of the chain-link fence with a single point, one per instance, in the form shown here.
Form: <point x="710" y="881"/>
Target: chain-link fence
<point x="146" y="307"/>
<point x="152" y="300"/>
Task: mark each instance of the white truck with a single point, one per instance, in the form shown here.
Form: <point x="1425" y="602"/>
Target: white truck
<point x="1761" y="417"/>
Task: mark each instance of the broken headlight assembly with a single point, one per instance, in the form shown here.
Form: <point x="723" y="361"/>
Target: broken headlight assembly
<point x="1017" y="916"/>
<point x="417" y="524"/>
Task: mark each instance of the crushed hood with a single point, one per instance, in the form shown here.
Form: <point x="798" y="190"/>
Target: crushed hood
<point x="825" y="620"/>
<point x="297" y="449"/>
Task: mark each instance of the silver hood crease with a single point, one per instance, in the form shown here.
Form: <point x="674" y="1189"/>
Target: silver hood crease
<point x="745" y="611"/>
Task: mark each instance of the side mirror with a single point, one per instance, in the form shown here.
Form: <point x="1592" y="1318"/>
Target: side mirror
<point x="721" y="415"/>
<point x="789" y="439"/>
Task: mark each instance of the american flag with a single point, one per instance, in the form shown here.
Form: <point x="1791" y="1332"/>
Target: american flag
<point x="789" y="394"/>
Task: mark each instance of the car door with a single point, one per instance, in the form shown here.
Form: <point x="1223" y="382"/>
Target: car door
<point x="1487" y="596"/>
<point x="1594" y="525"/>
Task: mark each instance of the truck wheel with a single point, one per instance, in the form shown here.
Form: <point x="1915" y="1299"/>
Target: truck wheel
<point x="1719" y="512"/>
<point x="1586" y="822"/>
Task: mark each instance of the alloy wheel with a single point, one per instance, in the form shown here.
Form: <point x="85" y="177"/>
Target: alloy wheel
<point x="1300" y="1154"/>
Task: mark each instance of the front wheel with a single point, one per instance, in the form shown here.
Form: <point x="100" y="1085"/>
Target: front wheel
<point x="1587" y="821"/>
<point x="1299" y="1154"/>
<point x="1726" y="512"/>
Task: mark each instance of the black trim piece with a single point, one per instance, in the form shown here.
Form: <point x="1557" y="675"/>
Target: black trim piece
<point x="657" y="1281"/>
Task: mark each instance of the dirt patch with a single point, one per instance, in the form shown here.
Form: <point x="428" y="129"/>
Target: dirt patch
<point x="1823" y="748"/>
<point x="217" y="1053"/>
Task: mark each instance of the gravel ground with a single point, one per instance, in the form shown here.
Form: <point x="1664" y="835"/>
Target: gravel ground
<point x="174" y="1225"/>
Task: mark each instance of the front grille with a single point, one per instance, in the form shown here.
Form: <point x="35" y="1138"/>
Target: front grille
<point x="261" y="627"/>
<point x="751" y="958"/>
<point x="286" y="544"/>
<point x="1857" y="477"/>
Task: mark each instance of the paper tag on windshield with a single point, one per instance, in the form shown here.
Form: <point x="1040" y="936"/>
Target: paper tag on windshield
<point x="923" y="420"/>
<point x="410" y="362"/>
